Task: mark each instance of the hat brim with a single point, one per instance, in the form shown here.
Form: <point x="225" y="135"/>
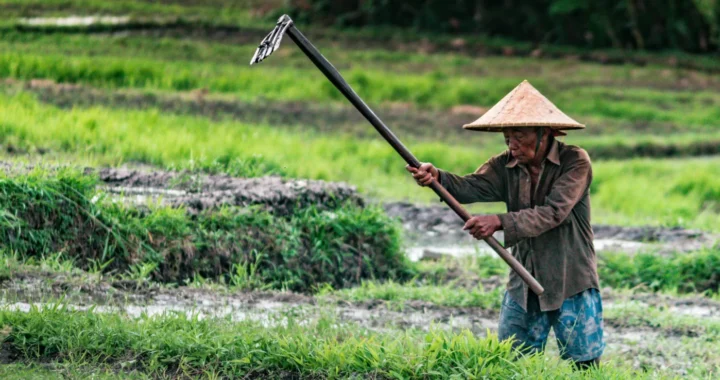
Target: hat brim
<point x="557" y="128"/>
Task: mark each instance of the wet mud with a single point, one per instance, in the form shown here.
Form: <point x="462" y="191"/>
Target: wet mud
<point x="199" y="192"/>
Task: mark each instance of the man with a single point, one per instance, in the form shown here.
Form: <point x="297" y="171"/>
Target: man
<point x="545" y="184"/>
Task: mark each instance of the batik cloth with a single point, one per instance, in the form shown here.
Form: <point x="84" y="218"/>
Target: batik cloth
<point x="578" y="325"/>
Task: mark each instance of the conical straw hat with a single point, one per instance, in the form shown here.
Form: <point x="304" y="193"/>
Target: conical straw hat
<point x="524" y="106"/>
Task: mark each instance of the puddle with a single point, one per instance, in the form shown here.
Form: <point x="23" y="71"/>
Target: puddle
<point x="268" y="313"/>
<point x="619" y="245"/>
<point x="481" y="248"/>
<point x="76" y="21"/>
<point x="417" y="253"/>
<point x="697" y="311"/>
<point x="144" y="195"/>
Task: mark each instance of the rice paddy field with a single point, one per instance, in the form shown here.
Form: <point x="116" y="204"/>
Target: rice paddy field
<point x="168" y="211"/>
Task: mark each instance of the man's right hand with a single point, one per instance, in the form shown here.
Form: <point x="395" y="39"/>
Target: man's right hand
<point x="424" y="174"/>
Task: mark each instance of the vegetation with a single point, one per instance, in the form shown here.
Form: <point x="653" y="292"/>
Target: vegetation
<point x="43" y="214"/>
<point x="171" y="345"/>
<point x="443" y="295"/>
<point x="601" y="95"/>
<point x="694" y="272"/>
<point x="107" y="136"/>
<point x="172" y="90"/>
<point x="690" y="25"/>
<point x="687" y="272"/>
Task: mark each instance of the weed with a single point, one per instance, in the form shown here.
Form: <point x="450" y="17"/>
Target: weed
<point x="444" y="295"/>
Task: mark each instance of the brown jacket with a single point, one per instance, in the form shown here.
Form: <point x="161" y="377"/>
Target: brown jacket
<point x="550" y="232"/>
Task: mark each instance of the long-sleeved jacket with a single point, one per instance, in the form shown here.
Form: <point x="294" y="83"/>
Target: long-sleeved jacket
<point x="549" y="232"/>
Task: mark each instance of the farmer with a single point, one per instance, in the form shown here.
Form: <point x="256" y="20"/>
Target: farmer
<point x="545" y="185"/>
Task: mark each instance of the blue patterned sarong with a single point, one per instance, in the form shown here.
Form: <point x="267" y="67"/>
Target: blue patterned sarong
<point x="578" y="325"/>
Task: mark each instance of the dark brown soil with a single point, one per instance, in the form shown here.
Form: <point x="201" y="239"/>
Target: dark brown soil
<point x="200" y="192"/>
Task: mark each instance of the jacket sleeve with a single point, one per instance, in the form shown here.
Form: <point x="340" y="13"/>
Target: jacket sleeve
<point x="485" y="185"/>
<point x="567" y="191"/>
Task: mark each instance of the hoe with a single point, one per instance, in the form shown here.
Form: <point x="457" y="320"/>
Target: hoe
<point x="272" y="42"/>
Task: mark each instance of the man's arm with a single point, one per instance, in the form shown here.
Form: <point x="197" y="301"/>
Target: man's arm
<point x="564" y="195"/>
<point x="485" y="185"/>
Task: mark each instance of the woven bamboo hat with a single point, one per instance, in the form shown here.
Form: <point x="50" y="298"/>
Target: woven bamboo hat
<point x="524" y="106"/>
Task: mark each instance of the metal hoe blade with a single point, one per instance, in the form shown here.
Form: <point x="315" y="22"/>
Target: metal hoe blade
<point x="272" y="42"/>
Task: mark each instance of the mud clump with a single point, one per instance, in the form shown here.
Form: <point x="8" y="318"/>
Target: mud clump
<point x="198" y="192"/>
<point x="647" y="234"/>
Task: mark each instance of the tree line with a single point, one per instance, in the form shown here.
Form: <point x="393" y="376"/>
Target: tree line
<point x="689" y="25"/>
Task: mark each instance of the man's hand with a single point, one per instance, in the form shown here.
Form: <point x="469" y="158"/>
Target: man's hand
<point x="483" y="226"/>
<point x="424" y="174"/>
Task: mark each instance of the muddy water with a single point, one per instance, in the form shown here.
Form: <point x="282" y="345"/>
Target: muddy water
<point x="76" y="21"/>
<point x="416" y="253"/>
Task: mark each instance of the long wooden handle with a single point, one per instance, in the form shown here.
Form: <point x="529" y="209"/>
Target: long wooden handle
<point x="337" y="80"/>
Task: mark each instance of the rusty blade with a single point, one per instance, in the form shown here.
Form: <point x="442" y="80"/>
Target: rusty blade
<point x="272" y="41"/>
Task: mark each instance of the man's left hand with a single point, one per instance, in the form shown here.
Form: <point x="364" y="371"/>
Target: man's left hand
<point x="483" y="226"/>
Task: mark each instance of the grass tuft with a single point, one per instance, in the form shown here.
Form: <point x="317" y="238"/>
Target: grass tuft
<point x="180" y="345"/>
<point x="45" y="213"/>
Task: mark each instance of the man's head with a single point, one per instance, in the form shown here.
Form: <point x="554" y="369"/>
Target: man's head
<point x="527" y="145"/>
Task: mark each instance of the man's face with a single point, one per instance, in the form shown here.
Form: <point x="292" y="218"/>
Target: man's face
<point x="521" y="142"/>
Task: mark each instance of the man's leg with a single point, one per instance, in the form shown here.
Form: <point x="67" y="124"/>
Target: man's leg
<point x="529" y="329"/>
<point x="578" y="327"/>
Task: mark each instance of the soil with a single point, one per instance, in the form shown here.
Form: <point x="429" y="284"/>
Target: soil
<point x="199" y="192"/>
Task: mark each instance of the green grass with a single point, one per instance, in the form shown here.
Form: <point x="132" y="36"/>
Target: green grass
<point x="260" y="15"/>
<point x="444" y="295"/>
<point x="687" y="273"/>
<point x="688" y="345"/>
<point x="689" y="109"/>
<point x="175" y="344"/>
<point x="694" y="272"/>
<point x="643" y="191"/>
<point x="652" y="111"/>
<point x="43" y="371"/>
<point x="47" y="213"/>
<point x="603" y="96"/>
<point x="634" y="314"/>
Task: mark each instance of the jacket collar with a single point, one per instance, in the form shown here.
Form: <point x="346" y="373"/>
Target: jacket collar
<point x="553" y="156"/>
